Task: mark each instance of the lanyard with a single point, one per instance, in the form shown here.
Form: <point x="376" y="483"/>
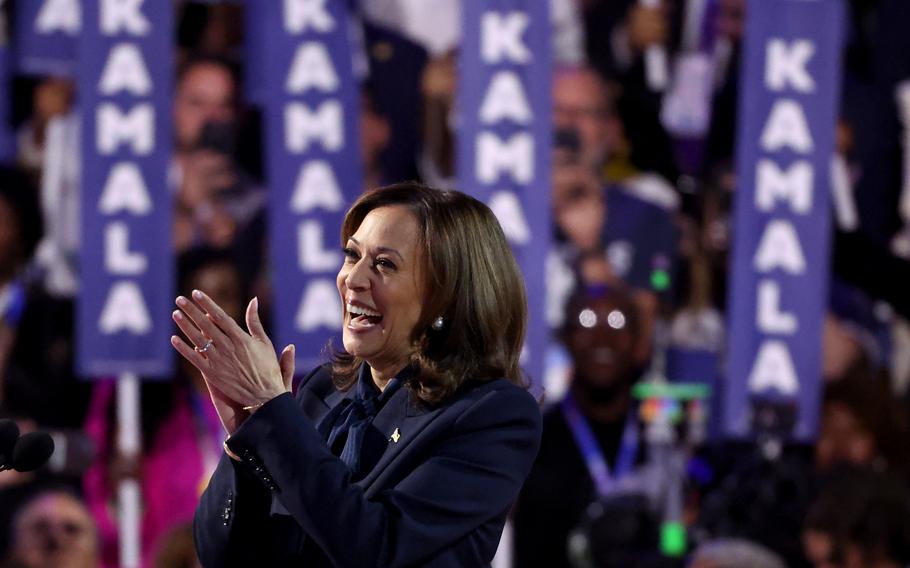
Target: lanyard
<point x="597" y="465"/>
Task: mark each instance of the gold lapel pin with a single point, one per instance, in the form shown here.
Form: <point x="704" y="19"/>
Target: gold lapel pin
<point x="396" y="435"/>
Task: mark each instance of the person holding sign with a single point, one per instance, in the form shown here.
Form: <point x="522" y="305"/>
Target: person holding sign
<point x="410" y="446"/>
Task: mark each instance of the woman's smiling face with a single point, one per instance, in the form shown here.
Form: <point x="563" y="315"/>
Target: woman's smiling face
<point x="381" y="289"/>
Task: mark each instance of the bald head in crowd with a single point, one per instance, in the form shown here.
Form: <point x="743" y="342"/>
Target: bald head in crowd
<point x="734" y="553"/>
<point x="54" y="530"/>
<point x="583" y="105"/>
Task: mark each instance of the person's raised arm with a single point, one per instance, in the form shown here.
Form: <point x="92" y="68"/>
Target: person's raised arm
<point x="472" y="477"/>
<point x="233" y="524"/>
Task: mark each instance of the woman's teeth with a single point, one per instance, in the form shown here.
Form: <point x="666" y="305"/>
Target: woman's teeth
<point x="363" y="317"/>
<point x="361" y="311"/>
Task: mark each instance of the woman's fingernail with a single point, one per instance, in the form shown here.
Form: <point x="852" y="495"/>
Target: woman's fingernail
<point x="181" y="301"/>
<point x="177" y="315"/>
<point x="256" y="303"/>
<point x="197" y="294"/>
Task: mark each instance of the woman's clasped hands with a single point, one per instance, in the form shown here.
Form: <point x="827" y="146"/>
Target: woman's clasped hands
<point x="240" y="368"/>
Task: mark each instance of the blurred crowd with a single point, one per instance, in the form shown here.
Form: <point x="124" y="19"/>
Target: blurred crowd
<point x="641" y="206"/>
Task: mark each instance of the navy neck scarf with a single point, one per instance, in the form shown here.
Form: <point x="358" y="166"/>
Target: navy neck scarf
<point x="351" y="420"/>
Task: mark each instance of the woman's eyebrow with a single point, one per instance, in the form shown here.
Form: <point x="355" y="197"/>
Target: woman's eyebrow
<point x="389" y="250"/>
<point x="379" y="249"/>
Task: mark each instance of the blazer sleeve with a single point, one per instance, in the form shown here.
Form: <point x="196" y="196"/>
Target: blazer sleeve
<point x="234" y="524"/>
<point x="469" y="478"/>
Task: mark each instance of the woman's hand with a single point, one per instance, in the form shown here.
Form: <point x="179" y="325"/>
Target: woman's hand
<point x="240" y="368"/>
<point x="231" y="414"/>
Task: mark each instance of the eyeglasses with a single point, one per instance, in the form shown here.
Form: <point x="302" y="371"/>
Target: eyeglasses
<point x="588" y="318"/>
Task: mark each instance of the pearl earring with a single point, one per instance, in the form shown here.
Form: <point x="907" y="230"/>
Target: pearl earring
<point x="437" y="323"/>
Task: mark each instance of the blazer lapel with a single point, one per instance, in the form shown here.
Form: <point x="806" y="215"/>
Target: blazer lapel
<point x="336" y="396"/>
<point x="316" y="407"/>
<point x="398" y="417"/>
<point x="402" y="419"/>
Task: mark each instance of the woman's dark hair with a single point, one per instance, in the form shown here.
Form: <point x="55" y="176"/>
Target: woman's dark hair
<point x="866" y="509"/>
<point x="195" y="259"/>
<point x="471" y="279"/>
<point x="868" y="397"/>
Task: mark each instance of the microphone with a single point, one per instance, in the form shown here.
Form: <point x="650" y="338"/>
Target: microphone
<point x="9" y="433"/>
<point x="31" y="451"/>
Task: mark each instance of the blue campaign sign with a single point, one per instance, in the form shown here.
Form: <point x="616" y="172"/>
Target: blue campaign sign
<point x="311" y="110"/>
<point x="126" y="288"/>
<point x="47" y="33"/>
<point x="504" y="137"/>
<point x="780" y="268"/>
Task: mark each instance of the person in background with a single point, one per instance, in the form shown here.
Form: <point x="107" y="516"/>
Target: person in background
<point x="438" y="89"/>
<point x="637" y="231"/>
<point x="17" y="489"/>
<point x="181" y="431"/>
<point x="52" y="97"/>
<point x="589" y="130"/>
<point x="617" y="33"/>
<point x="396" y="65"/>
<point x="861" y="519"/>
<point x="37" y="385"/>
<point x="601" y="333"/>
<point x="609" y="238"/>
<point x="36" y="330"/>
<point x="767" y="500"/>
<point x="583" y="107"/>
<point x="216" y="201"/>
<point x="20" y="230"/>
<point x="862" y="425"/>
<point x="53" y="530"/>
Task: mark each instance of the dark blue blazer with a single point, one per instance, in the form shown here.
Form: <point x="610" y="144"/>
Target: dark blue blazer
<point x="438" y="496"/>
